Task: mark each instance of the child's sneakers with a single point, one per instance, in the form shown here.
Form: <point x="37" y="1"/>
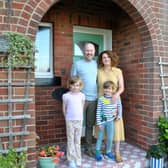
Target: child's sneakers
<point x="72" y="164"/>
<point x="109" y="155"/>
<point x="118" y="158"/>
<point x="98" y="157"/>
<point x="78" y="163"/>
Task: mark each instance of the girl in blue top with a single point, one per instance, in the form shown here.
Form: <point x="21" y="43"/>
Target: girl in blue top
<point x="106" y="113"/>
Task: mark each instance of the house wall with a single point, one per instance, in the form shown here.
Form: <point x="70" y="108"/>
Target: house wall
<point x="18" y="125"/>
<point x="128" y="44"/>
<point x="140" y="36"/>
<point x="49" y="111"/>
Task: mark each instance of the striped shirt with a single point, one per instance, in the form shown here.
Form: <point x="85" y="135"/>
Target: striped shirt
<point x="106" y="109"/>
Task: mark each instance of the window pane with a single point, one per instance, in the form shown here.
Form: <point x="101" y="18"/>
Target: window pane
<point x="43" y="51"/>
<point x="42" y="46"/>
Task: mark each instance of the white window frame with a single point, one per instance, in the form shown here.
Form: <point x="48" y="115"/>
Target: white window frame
<point x="107" y="34"/>
<point x="47" y="74"/>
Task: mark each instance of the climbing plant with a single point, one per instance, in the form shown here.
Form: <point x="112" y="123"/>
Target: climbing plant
<point x="20" y="50"/>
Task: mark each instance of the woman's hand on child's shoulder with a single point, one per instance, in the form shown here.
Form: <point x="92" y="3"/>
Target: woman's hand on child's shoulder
<point x="115" y="97"/>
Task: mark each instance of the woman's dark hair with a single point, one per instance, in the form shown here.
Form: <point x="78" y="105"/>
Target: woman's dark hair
<point x="112" y="55"/>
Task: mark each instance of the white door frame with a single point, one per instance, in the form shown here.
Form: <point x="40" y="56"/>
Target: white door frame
<point x="107" y="34"/>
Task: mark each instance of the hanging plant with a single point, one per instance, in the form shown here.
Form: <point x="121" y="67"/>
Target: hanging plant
<point x="20" y="50"/>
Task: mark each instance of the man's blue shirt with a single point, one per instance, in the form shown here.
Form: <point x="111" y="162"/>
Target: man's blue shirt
<point x="87" y="71"/>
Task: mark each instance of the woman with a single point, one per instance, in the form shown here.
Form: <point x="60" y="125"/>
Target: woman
<point x="107" y="70"/>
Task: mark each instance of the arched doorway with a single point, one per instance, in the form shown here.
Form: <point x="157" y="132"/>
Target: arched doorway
<point x="134" y="38"/>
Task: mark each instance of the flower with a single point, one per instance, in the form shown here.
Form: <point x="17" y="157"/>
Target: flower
<point x="51" y="151"/>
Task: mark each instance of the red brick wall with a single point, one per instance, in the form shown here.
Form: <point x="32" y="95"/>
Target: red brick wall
<point x="128" y="44"/>
<point x="50" y="124"/>
<point x="143" y="96"/>
<point x="139" y="42"/>
<point x="18" y="92"/>
<point x="48" y="110"/>
<point x="135" y="61"/>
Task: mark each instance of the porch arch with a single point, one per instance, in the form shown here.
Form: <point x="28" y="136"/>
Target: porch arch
<point x="144" y="19"/>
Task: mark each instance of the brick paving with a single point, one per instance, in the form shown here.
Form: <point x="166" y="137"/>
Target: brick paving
<point x="133" y="157"/>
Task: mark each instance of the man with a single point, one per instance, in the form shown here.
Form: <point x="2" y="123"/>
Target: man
<point x="86" y="69"/>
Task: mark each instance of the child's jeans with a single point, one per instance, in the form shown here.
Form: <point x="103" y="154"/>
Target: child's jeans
<point x="109" y="126"/>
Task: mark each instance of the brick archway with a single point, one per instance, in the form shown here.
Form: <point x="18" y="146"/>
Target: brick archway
<point x="27" y="16"/>
<point x="149" y="31"/>
<point x="144" y="19"/>
<point x="30" y="14"/>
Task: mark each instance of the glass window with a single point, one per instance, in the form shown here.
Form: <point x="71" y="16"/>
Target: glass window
<point x="44" y="54"/>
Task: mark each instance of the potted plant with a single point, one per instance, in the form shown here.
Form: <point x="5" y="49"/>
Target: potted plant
<point x="156" y="153"/>
<point x="13" y="159"/>
<point x="49" y="156"/>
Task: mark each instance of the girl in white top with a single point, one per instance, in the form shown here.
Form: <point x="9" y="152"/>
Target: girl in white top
<point x="73" y="103"/>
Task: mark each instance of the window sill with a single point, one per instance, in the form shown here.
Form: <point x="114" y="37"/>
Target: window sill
<point x="56" y="81"/>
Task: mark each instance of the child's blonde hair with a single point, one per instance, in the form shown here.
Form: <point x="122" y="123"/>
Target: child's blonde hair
<point x="75" y="79"/>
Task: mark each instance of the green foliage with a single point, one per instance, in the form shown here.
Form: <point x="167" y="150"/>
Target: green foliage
<point x="163" y="131"/>
<point x="163" y="127"/>
<point x="156" y="151"/>
<point x="20" y="50"/>
<point x="13" y="159"/>
<point x="160" y="150"/>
